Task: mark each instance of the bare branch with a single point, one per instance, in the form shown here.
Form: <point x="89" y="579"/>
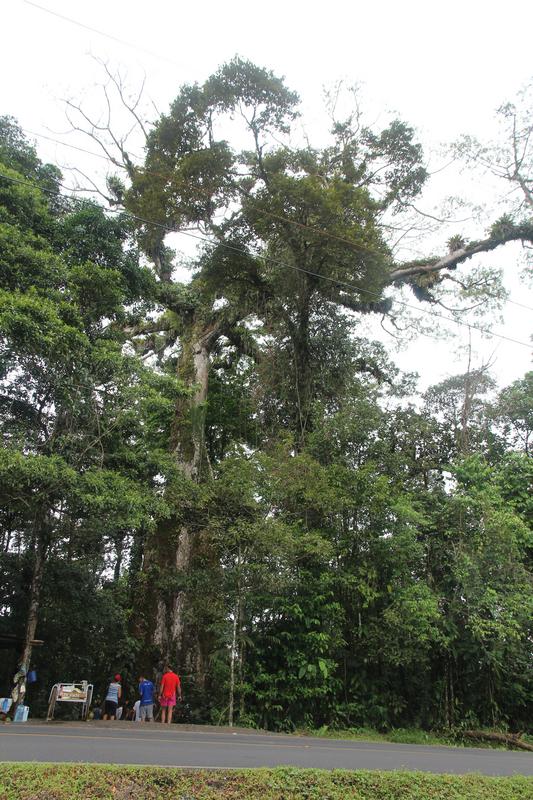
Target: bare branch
<point x="95" y="188"/>
<point x="91" y="133"/>
<point x="433" y="217"/>
<point x="102" y="131"/>
<point x="132" y="108"/>
<point x="460" y="310"/>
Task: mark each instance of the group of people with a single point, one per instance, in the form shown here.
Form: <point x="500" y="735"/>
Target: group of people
<point x="168" y="694"/>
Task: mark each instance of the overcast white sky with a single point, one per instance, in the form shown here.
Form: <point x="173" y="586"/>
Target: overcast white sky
<point x="444" y="67"/>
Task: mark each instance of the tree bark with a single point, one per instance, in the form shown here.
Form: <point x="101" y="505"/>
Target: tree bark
<point x="188" y="430"/>
<point x="35" y="593"/>
<point x="303" y="380"/>
<point x="39" y="561"/>
<point x="119" y="550"/>
<point x="165" y="619"/>
<point x="232" y="668"/>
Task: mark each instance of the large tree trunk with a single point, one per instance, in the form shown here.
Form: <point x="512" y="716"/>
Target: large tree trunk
<point x="188" y="430"/>
<point x="233" y="656"/>
<point x="35" y="593"/>
<point x="303" y="377"/>
<point x="39" y="560"/>
<point x="165" y="618"/>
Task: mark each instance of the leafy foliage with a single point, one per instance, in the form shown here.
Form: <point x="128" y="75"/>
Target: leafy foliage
<point x="222" y="473"/>
<point x="91" y="781"/>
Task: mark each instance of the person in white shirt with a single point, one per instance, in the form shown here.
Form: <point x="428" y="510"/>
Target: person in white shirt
<point x="114" y="693"/>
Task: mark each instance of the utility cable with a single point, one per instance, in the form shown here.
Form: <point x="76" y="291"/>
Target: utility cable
<point x="284" y="264"/>
<point x="147" y="172"/>
<point x="199" y="190"/>
<point x="103" y="33"/>
<point x="156" y="174"/>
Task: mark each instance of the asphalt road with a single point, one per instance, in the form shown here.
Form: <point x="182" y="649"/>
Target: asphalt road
<point x="145" y="744"/>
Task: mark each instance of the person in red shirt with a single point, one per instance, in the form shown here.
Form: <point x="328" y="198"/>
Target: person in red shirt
<point x="169" y="688"/>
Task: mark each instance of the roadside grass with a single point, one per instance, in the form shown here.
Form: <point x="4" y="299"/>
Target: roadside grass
<point x="404" y="736"/>
<point x="397" y="735"/>
<point x="95" y="782"/>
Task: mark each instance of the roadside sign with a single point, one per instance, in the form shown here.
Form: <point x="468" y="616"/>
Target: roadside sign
<point x="71" y="693"/>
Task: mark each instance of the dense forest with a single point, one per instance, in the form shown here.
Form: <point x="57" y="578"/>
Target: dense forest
<point x="225" y="472"/>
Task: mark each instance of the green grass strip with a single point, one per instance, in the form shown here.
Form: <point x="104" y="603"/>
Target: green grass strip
<point x="404" y="736"/>
<point x="94" y="782"/>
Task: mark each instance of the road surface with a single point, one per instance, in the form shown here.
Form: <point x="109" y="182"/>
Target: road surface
<point x="177" y="746"/>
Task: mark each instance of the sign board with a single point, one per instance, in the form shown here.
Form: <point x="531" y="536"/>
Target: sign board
<point x="71" y="693"/>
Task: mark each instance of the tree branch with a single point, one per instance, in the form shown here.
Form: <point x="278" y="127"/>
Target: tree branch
<point x="157" y="326"/>
<point x="413" y="269"/>
<point x="365" y="307"/>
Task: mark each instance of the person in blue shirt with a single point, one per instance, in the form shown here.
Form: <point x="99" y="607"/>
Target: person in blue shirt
<point x="146" y="693"/>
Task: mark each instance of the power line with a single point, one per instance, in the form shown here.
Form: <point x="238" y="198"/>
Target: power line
<point x="70" y="146"/>
<point x="135" y="46"/>
<point x="208" y="194"/>
<point x="336" y="281"/>
<point x="361" y="248"/>
<point x="520" y="305"/>
<point x="319" y="231"/>
<point x="103" y="33"/>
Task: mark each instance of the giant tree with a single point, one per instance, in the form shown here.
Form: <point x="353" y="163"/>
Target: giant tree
<point x="296" y="245"/>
